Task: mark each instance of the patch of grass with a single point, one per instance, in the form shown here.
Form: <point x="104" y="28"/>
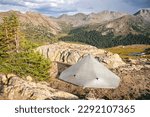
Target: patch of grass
<point x="124" y="51"/>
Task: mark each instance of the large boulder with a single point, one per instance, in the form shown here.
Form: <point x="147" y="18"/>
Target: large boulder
<point x="16" y="88"/>
<point x="70" y="53"/>
<point x="112" y="60"/>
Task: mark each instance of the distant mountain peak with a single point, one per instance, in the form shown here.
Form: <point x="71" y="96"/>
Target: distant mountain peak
<point x="143" y="11"/>
<point x="13" y="11"/>
<point x="63" y="16"/>
<point x="106" y="11"/>
<point x="80" y="14"/>
<point x="33" y="13"/>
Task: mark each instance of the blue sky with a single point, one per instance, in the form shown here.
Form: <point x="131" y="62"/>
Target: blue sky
<point x="58" y="7"/>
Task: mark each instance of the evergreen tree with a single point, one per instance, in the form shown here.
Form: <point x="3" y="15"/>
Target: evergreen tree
<point x="17" y="55"/>
<point x="15" y="31"/>
<point x="4" y="37"/>
<point x="10" y="35"/>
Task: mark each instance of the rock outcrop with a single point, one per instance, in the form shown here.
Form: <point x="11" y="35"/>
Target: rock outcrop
<point x="70" y="53"/>
<point x="13" y="87"/>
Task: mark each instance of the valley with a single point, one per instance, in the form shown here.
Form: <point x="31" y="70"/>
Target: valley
<point x="35" y="49"/>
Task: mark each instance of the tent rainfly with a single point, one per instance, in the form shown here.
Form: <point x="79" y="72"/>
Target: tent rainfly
<point x="88" y="72"/>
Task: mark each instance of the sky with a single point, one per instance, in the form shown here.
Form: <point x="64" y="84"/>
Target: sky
<point x="59" y="7"/>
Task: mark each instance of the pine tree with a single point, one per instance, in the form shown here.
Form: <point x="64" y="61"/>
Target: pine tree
<point x="17" y="55"/>
<point x="4" y="39"/>
<point x="14" y="31"/>
<point x="10" y="35"/>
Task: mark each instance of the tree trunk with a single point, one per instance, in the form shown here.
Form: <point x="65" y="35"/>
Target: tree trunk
<point x="6" y="33"/>
<point x="17" y="42"/>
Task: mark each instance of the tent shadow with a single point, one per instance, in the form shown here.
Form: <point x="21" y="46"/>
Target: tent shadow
<point x="61" y="67"/>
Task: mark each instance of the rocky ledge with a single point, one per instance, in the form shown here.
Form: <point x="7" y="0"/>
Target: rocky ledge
<point x="70" y="53"/>
<point x="13" y="87"/>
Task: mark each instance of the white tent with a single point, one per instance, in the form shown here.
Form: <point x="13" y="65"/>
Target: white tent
<point x="88" y="72"/>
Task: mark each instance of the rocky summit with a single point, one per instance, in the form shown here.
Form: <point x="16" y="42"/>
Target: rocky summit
<point x="145" y="13"/>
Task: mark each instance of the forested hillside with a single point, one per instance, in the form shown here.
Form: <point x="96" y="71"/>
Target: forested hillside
<point x="126" y="30"/>
<point x="95" y="38"/>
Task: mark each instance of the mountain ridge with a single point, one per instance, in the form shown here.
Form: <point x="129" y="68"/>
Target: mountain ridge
<point x="33" y="18"/>
<point x="145" y="13"/>
<point x="106" y="24"/>
<point x="81" y="19"/>
<point x="126" y="30"/>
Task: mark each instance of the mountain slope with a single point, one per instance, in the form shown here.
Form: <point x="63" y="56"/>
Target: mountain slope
<point x="126" y="30"/>
<point x="122" y="26"/>
<point x="35" y="25"/>
<point x="103" y="29"/>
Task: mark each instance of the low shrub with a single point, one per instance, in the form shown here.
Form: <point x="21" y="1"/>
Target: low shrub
<point x="26" y="63"/>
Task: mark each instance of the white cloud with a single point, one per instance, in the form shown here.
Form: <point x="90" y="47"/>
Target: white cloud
<point x="57" y="7"/>
<point x="51" y="2"/>
<point x="43" y="6"/>
<point x="10" y="7"/>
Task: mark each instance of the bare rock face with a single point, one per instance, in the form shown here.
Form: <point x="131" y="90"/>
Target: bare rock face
<point x="17" y="88"/>
<point x="70" y="53"/>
